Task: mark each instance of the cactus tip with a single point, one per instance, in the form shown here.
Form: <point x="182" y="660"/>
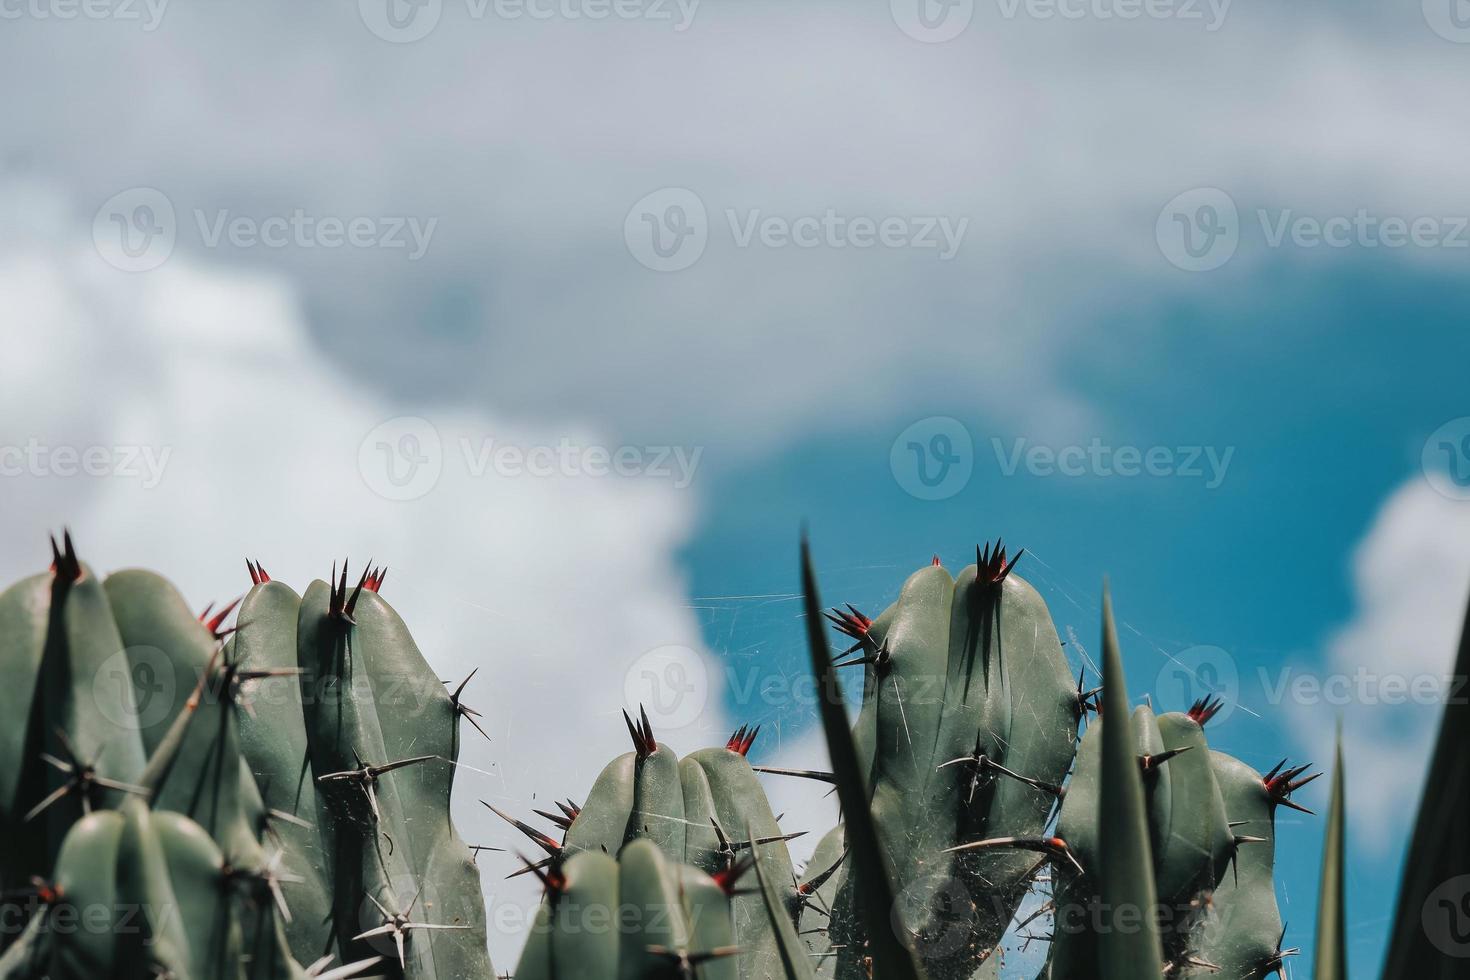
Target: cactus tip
<point x="1203" y="710"/>
<point x="641" y="732"/>
<point x="1281" y="782"/>
<point x="64" y="560"/>
<point x="340" y="604"/>
<point x="991" y="566"/>
<point x="743" y="739"/>
<point x="258" y="574"/>
<point x="852" y="623"/>
<point x="215" y="623"/>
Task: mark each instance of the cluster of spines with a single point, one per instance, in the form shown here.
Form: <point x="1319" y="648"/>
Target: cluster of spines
<point x="1204" y="710"/>
<point x="1282" y="781"/>
<point x="991" y="566"/>
<point x="743" y="739"/>
<point x="641" y="732"/>
<point x="851" y="623"/>
<point x="214" y="620"/>
<point x="64" y="561"/>
<point x="343" y="606"/>
<point x="457" y="699"/>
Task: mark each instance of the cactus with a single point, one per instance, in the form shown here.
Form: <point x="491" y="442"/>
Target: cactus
<point x="707" y="810"/>
<point x="271" y="824"/>
<point x="1199" y="844"/>
<point x="293" y="811"/>
<point x="967" y="727"/>
<point x="1428" y="938"/>
<point x="1206" y="821"/>
<point x="1331" y="947"/>
<point x="968" y="732"/>
<point x="640" y="914"/>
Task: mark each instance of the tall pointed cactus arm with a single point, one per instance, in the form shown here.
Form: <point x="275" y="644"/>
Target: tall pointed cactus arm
<point x="381" y="729"/>
<point x="65" y="752"/>
<point x="1330" y="959"/>
<point x="1125" y="878"/>
<point x="794" y="961"/>
<point x="872" y="878"/>
<point x="1436" y="879"/>
<point x="274" y="744"/>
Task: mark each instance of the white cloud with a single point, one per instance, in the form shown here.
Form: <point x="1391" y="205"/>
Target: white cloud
<point x="1061" y="140"/>
<point x="1411" y="574"/>
<point x="551" y="586"/>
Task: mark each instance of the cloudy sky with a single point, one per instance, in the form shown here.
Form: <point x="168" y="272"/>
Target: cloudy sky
<point x="573" y="312"/>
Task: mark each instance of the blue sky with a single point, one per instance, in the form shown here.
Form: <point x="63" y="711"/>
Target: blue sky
<point x="1065" y="157"/>
<point x="1325" y="391"/>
